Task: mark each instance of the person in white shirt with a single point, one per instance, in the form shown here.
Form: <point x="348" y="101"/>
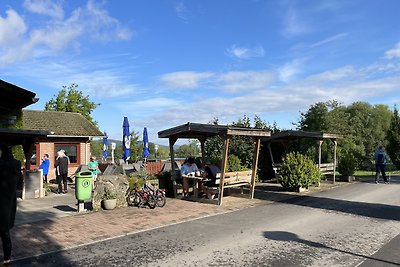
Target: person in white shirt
<point x="188" y="168"/>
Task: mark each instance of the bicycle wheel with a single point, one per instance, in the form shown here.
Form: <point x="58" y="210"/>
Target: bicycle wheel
<point x="160" y="198"/>
<point x="133" y="198"/>
<point x="151" y="201"/>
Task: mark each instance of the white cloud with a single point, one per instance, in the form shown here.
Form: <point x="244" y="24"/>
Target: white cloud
<point x="185" y="79"/>
<point x="91" y="22"/>
<point x="330" y="39"/>
<point x="246" y="80"/>
<point x="12" y="27"/>
<point x="294" y="25"/>
<point x="289" y="70"/>
<point x="45" y="7"/>
<point x="244" y="52"/>
<point x="182" y="11"/>
<point x="394" y="52"/>
<point x="337" y="75"/>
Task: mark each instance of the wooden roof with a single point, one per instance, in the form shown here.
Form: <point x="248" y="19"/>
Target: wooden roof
<point x="14" y="98"/>
<point x="292" y="135"/>
<point x="12" y="136"/>
<point x="198" y="130"/>
<point x="59" y="123"/>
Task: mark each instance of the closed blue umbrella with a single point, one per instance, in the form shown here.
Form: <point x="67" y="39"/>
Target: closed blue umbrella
<point x="146" y="151"/>
<point x="126" y="140"/>
<point x="105" y="146"/>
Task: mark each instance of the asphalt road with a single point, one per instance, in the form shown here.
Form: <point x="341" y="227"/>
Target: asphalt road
<point x="353" y="225"/>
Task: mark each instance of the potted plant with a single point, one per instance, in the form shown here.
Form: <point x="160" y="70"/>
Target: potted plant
<point x="110" y="198"/>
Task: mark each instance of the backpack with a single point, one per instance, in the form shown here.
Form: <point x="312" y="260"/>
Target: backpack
<point x="381" y="158"/>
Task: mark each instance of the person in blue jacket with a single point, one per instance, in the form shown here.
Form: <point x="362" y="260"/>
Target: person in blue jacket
<point x="380" y="164"/>
<point x="45" y="167"/>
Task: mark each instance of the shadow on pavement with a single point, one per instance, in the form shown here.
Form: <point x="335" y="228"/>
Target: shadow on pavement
<point x="33" y="239"/>
<point x="373" y="210"/>
<point x="291" y="237"/>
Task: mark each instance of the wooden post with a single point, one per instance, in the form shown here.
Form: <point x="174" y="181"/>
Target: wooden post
<point x="254" y="169"/>
<point x="319" y="152"/>
<point x="223" y="170"/>
<point x="172" y="141"/>
<point x="334" y="161"/>
<point x="203" y="151"/>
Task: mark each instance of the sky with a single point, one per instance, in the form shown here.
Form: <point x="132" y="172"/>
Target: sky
<point x="163" y="63"/>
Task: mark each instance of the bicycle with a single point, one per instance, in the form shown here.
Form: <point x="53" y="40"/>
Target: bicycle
<point x="159" y="195"/>
<point x="147" y="195"/>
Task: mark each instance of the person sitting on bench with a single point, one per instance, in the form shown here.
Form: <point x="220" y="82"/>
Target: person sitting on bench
<point x="210" y="173"/>
<point x="189" y="167"/>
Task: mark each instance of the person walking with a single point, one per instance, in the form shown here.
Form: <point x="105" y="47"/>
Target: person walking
<point x="61" y="166"/>
<point x="380" y="164"/>
<point x="45" y="167"/>
<point x="10" y="174"/>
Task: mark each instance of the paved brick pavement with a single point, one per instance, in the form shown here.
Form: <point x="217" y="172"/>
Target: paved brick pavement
<point x="53" y="223"/>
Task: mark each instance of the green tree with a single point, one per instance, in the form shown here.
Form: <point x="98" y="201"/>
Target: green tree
<point x="191" y="149"/>
<point x="96" y="149"/>
<point x="70" y="99"/>
<point x="136" y="147"/>
<point x="363" y="126"/>
<point x="393" y="138"/>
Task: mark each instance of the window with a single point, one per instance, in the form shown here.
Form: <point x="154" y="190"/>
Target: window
<point x="71" y="150"/>
<point x="33" y="160"/>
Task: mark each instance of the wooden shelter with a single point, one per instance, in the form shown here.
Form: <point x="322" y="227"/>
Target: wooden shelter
<point x="287" y="136"/>
<point x="204" y="131"/>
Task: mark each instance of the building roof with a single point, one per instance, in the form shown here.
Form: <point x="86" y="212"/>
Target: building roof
<point x="19" y="136"/>
<point x="292" y="135"/>
<point x="14" y="98"/>
<point x="197" y="130"/>
<point x="59" y="123"/>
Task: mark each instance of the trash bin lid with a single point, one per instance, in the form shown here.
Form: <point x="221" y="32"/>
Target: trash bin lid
<point x="84" y="173"/>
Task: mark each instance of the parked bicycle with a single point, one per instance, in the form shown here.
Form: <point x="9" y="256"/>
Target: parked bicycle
<point x="146" y="196"/>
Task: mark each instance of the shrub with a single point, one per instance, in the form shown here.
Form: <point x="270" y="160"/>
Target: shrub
<point x="298" y="171"/>
<point x="347" y="165"/>
<point x="109" y="193"/>
<point x="234" y="164"/>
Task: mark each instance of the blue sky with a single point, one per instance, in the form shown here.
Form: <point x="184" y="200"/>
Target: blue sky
<point x="164" y="63"/>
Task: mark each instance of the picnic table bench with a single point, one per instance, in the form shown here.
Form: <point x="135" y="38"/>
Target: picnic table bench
<point x="232" y="179"/>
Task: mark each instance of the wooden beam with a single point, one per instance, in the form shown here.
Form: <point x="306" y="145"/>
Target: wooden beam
<point x="223" y="170"/>
<point x="254" y="169"/>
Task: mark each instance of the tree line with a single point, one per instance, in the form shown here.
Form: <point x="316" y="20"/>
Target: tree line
<point x="363" y="125"/>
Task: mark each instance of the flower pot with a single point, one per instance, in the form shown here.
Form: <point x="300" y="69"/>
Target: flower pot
<point x="109" y="204"/>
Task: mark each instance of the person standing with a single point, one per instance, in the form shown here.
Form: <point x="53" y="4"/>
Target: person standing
<point x="61" y="166"/>
<point x="45" y="167"/>
<point x="10" y="174"/>
<point x="380" y="164"/>
<point x="93" y="166"/>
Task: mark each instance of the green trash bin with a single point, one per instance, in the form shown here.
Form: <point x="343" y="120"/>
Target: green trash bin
<point x="83" y="185"/>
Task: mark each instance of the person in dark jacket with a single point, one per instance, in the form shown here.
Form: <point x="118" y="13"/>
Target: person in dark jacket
<point x="10" y="174"/>
<point x="380" y="163"/>
<point x="61" y="165"/>
<point x="210" y="173"/>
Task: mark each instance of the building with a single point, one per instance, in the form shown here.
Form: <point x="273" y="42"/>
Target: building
<point x="69" y="131"/>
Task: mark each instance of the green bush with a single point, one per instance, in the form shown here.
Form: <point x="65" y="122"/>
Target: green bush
<point x="347" y="165"/>
<point x="234" y="164"/>
<point x="298" y="171"/>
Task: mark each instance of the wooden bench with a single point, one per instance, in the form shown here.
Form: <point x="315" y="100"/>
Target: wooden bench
<point x="232" y="179"/>
<point x="327" y="168"/>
